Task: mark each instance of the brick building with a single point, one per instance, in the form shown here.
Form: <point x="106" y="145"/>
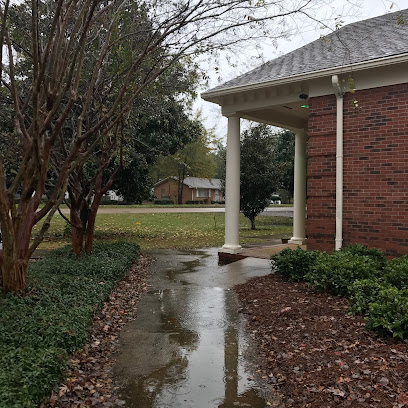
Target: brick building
<point x="194" y="189"/>
<point x="346" y="98"/>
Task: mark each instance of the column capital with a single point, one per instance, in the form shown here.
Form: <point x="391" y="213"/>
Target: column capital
<point x="300" y="132"/>
<point x="231" y="115"/>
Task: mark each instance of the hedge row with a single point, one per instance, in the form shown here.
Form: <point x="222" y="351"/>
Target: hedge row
<point x="163" y="202"/>
<point x="38" y="331"/>
<point x="375" y="287"/>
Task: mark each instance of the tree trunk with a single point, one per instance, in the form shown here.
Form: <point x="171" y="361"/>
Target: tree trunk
<point x="78" y="213"/>
<point x="252" y="222"/>
<point x="90" y="228"/>
<point x="180" y="197"/>
<point x="77" y="231"/>
<point x="181" y="185"/>
<point x="14" y="280"/>
<point x="14" y="271"/>
<point x="14" y="256"/>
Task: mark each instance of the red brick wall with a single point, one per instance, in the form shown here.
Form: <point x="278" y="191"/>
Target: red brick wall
<point x="171" y="189"/>
<point x="375" y="170"/>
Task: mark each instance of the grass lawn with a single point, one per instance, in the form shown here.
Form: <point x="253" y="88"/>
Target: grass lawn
<point x="169" y="230"/>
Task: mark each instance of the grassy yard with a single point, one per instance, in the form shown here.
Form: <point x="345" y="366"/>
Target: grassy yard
<point x="169" y="230"/>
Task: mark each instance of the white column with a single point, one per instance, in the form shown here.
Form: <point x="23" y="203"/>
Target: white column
<point x="232" y="183"/>
<point x="299" y="194"/>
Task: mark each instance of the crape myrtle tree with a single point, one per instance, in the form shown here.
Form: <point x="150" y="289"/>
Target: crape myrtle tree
<point x="258" y="177"/>
<point x="89" y="181"/>
<point x="123" y="156"/>
<point x="66" y="45"/>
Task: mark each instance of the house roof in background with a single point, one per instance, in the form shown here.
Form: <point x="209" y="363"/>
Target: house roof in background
<point x="359" y="42"/>
<point x="196" y="182"/>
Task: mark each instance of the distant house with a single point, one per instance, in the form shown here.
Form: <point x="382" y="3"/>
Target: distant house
<point x="194" y="189"/>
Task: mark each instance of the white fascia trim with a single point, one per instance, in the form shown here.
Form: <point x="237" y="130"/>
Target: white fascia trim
<point x="380" y="62"/>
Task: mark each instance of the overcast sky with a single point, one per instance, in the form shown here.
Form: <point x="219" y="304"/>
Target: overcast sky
<point x="368" y="8"/>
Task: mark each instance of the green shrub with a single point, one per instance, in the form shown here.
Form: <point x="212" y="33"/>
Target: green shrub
<point x="108" y="261"/>
<point x="388" y="315"/>
<point x="396" y="272"/>
<point x="294" y="264"/>
<point x="38" y="331"/>
<point x="205" y="201"/>
<point x="373" y="253"/>
<point x="337" y="272"/>
<point x="26" y="374"/>
<point x="364" y="292"/>
<point x="376" y="288"/>
<point x="164" y="202"/>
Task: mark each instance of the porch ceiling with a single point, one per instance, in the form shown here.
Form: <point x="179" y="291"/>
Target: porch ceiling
<point x="279" y="105"/>
<point x="287" y="115"/>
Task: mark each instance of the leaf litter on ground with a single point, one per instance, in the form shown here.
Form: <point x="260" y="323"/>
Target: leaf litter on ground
<point x="89" y="379"/>
<point x="313" y="353"/>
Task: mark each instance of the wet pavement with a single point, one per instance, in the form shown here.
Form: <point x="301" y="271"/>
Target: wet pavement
<point x="186" y="349"/>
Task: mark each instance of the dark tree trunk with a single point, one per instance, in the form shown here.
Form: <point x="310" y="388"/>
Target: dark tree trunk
<point x="78" y="213"/>
<point x="90" y="228"/>
<point x="181" y="185"/>
<point x="15" y="254"/>
<point x="14" y="271"/>
<point x="77" y="231"/>
<point x="252" y="222"/>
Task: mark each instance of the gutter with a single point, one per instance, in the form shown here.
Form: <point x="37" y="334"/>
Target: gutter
<point x="339" y="162"/>
<point x="378" y="62"/>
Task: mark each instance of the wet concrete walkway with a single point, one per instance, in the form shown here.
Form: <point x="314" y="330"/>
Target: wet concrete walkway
<point x="186" y="347"/>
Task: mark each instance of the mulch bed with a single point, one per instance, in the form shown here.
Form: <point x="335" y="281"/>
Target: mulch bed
<point x="312" y="353"/>
<point x="89" y="379"/>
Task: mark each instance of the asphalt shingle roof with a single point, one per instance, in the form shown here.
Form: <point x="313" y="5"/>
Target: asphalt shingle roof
<point x="362" y="41"/>
<point x="195" y="182"/>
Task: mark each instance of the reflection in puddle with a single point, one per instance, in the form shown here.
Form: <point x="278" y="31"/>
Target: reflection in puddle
<point x="185" y="348"/>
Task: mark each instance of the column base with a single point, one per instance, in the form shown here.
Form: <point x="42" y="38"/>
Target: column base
<point x="231" y="249"/>
<point x="297" y="241"/>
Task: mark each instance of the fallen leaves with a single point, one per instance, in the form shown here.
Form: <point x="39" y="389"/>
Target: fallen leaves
<point x="89" y="382"/>
<point x="403" y="399"/>
<point x="312" y="353"/>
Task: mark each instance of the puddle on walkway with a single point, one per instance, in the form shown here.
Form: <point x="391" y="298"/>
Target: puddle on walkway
<point x="185" y="349"/>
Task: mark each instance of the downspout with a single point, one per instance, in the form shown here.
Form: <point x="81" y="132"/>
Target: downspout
<point x="339" y="162"/>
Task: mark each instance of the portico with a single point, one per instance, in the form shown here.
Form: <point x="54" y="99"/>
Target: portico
<point x="348" y="93"/>
<point x="280" y="106"/>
